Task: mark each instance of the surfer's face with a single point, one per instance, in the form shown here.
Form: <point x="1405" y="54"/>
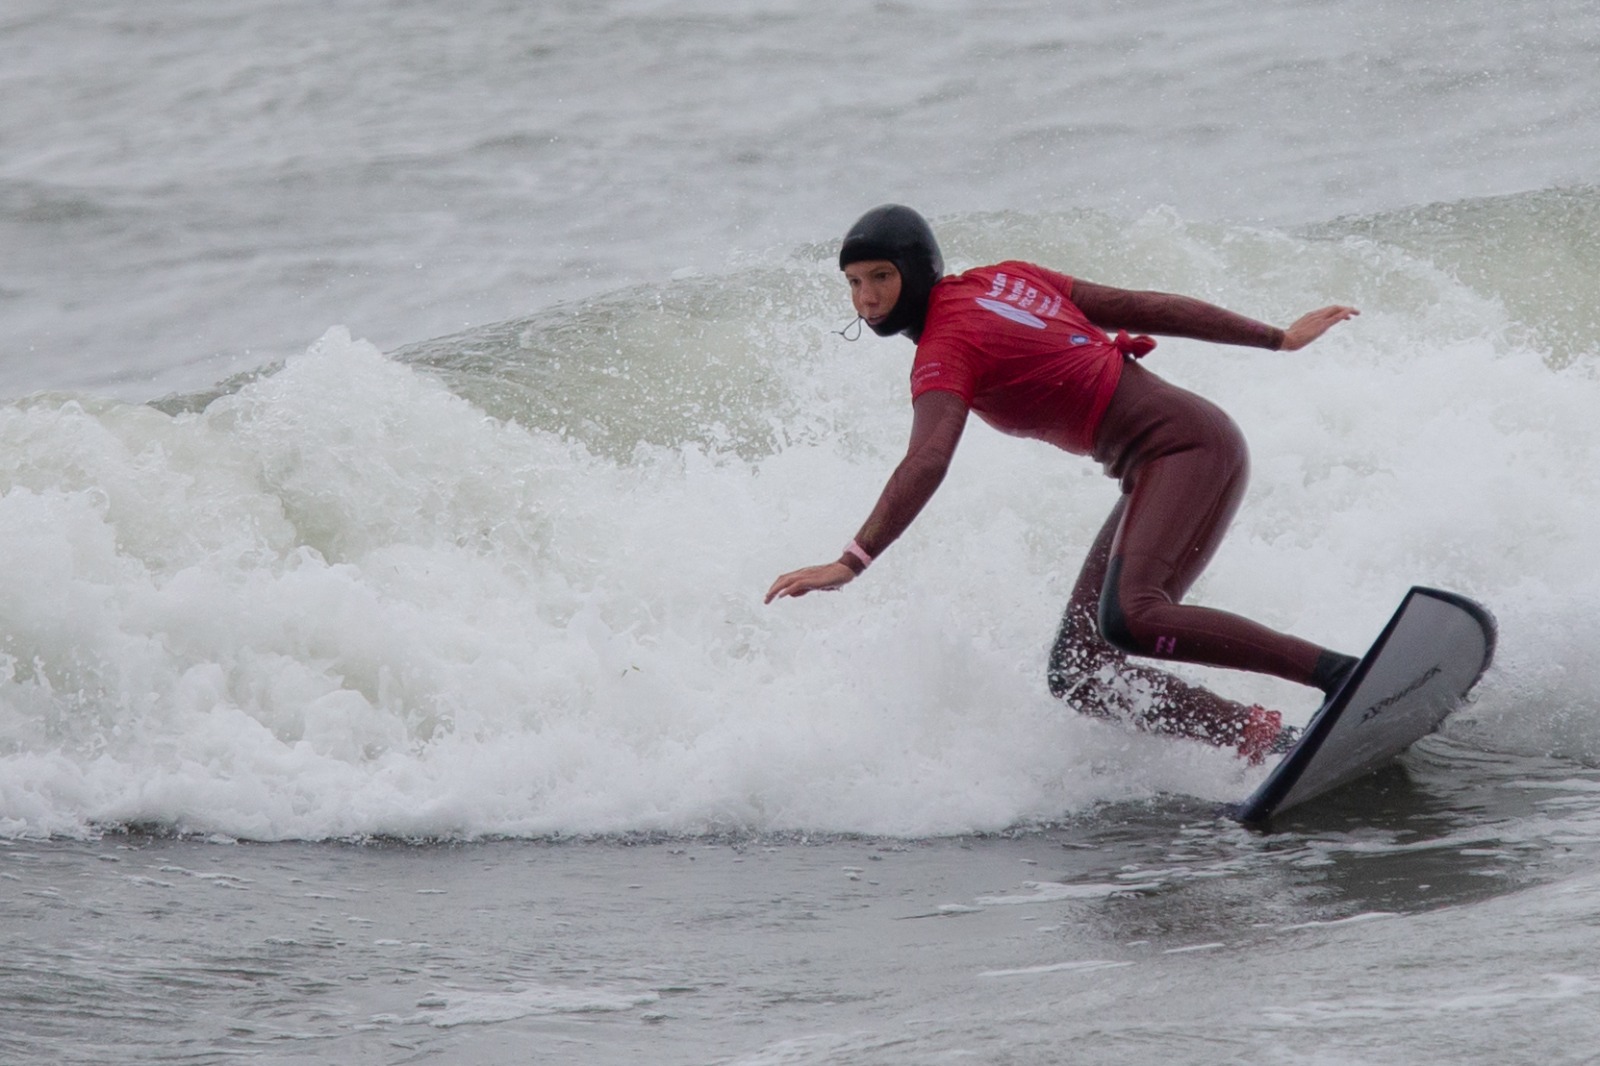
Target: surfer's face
<point x="874" y="288"/>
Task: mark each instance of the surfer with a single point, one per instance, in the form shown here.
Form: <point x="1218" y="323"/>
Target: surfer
<point x="1039" y="354"/>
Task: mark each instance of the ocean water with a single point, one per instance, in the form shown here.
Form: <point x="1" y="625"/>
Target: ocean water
<point x="403" y="410"/>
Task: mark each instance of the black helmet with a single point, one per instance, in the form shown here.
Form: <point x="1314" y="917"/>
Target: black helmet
<point x="903" y="237"/>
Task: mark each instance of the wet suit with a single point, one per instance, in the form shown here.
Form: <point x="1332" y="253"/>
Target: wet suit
<point x="1028" y="350"/>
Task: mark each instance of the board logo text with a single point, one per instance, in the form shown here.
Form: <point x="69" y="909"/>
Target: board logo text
<point x="1384" y="704"/>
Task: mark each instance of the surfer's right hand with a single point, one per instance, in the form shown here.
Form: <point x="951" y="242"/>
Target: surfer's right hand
<point x="811" y="579"/>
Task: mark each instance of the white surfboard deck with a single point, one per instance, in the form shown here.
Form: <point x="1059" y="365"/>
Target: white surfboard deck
<point x="1420" y="669"/>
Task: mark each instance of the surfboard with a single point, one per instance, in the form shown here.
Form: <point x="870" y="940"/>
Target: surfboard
<point x="1420" y="669"/>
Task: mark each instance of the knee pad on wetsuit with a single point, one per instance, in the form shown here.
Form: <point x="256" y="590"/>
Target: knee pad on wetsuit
<point x="1113" y="622"/>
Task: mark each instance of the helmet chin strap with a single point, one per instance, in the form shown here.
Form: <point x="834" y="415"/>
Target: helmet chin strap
<point x="845" y="333"/>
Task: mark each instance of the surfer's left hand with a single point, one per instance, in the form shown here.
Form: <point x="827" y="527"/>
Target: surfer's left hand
<point x="1309" y="327"/>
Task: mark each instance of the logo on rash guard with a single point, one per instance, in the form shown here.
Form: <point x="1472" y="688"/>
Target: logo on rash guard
<point x="1166" y="645"/>
<point x="1018" y="301"/>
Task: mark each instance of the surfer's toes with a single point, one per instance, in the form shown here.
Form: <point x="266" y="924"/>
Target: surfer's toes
<point x="1265" y="734"/>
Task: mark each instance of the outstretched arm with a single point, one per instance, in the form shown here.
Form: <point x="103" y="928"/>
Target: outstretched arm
<point x="938" y="418"/>
<point x="1183" y="316"/>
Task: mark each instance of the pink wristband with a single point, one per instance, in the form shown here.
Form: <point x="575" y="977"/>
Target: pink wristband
<point x="859" y="552"/>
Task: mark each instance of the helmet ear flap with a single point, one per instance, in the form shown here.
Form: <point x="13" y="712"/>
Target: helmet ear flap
<point x="903" y="237"/>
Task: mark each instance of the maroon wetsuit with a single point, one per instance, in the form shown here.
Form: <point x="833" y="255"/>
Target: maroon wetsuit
<point x="1027" y="349"/>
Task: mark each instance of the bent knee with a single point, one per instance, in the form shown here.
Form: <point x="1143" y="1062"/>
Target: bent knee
<point x="1114" y="627"/>
<point x="1112" y="619"/>
<point x="1121" y="619"/>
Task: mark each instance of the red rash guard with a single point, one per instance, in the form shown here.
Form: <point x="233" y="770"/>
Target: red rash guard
<point x="1010" y="341"/>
